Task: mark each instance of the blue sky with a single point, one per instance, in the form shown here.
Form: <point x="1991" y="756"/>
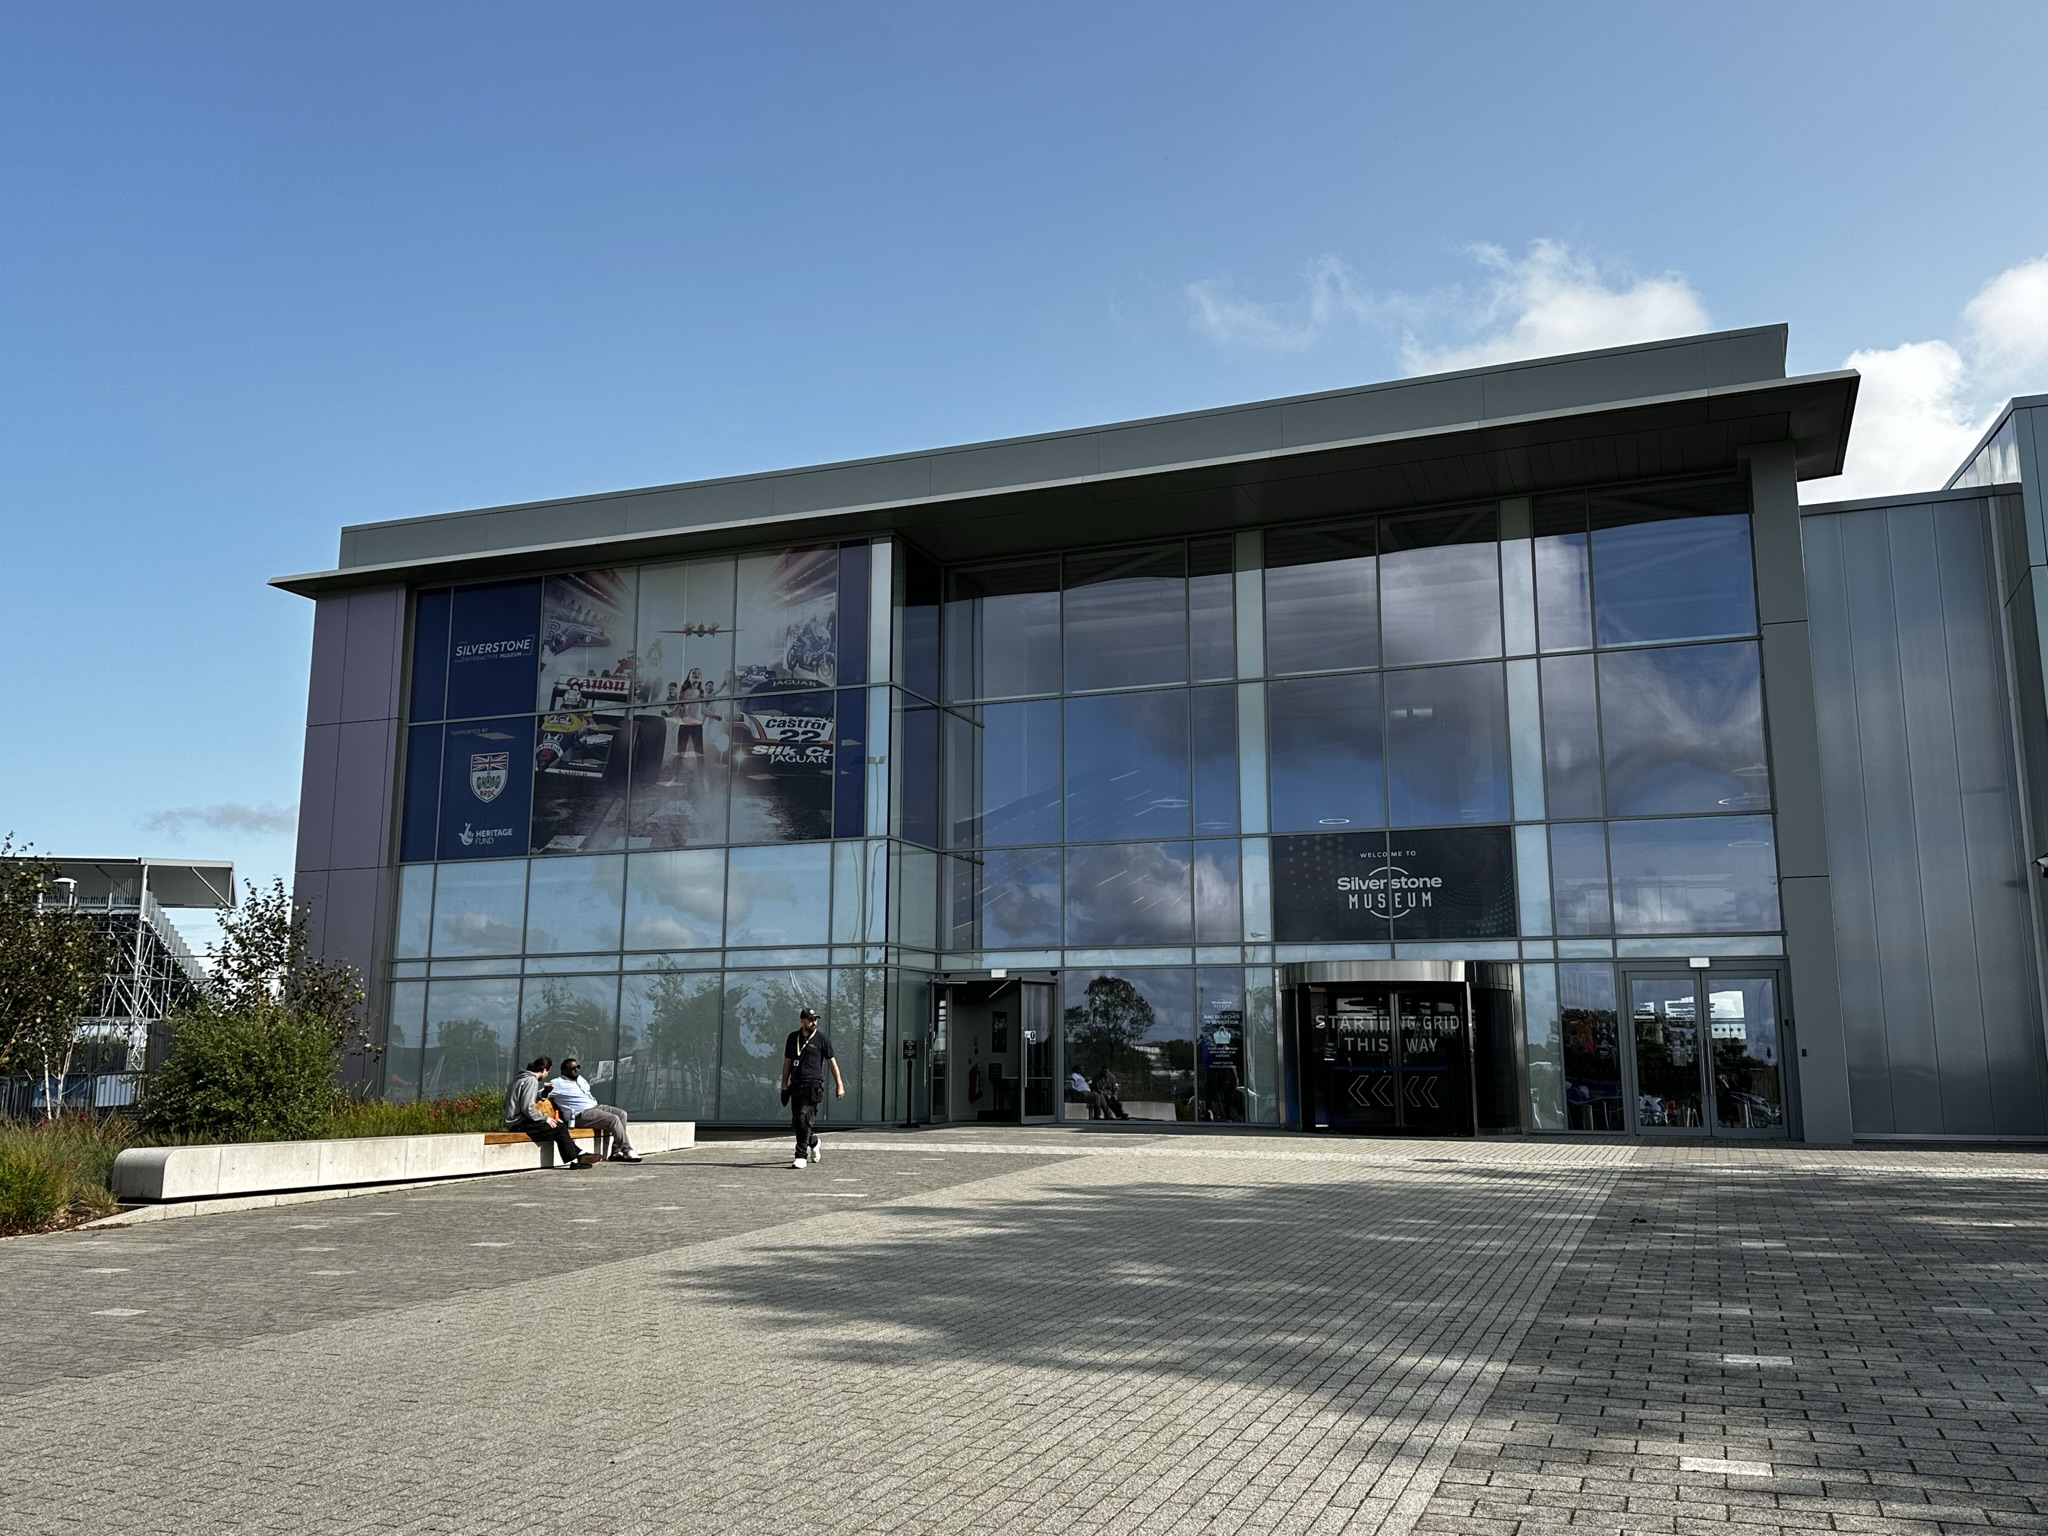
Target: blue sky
<point x="265" y="270"/>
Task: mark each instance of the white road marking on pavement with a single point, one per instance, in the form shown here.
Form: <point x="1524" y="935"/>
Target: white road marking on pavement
<point x="490" y="1245"/>
<point x="668" y="1207"/>
<point x="585" y="1221"/>
<point x="525" y="1205"/>
<point x="330" y="1271"/>
<point x="103" y="1271"/>
<point x="318" y="1250"/>
<point x="1726" y="1468"/>
<point x="1758" y="1242"/>
<point x="1969" y="1311"/>
<point x="118" y="1312"/>
<point x="820" y="1194"/>
<point x="308" y="1226"/>
<point x="1756" y="1359"/>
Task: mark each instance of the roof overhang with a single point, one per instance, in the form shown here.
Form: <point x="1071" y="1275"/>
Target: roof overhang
<point x="1692" y="432"/>
<point x="208" y="883"/>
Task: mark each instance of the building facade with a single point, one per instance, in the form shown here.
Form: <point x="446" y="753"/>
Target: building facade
<point x="1464" y="754"/>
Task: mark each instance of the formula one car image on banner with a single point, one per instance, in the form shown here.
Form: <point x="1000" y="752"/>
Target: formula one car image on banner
<point x="782" y="754"/>
<point x="579" y="783"/>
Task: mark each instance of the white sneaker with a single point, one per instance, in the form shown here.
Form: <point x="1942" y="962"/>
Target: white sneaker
<point x="817" y="1151"/>
<point x="797" y="1163"/>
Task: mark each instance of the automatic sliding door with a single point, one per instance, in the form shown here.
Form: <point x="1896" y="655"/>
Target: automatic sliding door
<point x="1748" y="1069"/>
<point x="1665" y="1012"/>
<point x="1708" y="1055"/>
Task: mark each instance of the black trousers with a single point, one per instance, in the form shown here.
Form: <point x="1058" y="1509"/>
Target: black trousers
<point x="803" y="1117"/>
<point x="565" y="1144"/>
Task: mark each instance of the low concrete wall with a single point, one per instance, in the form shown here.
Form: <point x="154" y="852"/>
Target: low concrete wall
<point x="255" y="1167"/>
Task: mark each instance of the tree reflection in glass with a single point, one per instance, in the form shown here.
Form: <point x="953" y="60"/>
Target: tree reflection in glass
<point x="668" y="1043"/>
<point x="1130" y="1035"/>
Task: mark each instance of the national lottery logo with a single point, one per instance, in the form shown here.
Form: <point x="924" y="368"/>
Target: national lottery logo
<point x="488" y="774"/>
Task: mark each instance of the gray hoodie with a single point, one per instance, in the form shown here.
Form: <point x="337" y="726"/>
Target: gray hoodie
<point x="520" y="1115"/>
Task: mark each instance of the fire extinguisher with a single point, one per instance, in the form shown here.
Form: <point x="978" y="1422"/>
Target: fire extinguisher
<point x="974" y="1082"/>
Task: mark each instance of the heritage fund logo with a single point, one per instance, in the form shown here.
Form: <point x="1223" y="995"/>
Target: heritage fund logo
<point x="1390" y="891"/>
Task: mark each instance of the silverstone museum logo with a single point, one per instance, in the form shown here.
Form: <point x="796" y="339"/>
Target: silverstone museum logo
<point x="1433" y="883"/>
<point x="1389" y="893"/>
<point x="493" y="650"/>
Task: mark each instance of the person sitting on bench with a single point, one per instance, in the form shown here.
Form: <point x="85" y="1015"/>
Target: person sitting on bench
<point x="522" y="1113"/>
<point x="575" y="1103"/>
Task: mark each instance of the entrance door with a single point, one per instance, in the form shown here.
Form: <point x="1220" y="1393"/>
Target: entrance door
<point x="1379" y="1057"/>
<point x="1040" y="1052"/>
<point x="1708" y="1056"/>
<point x="994" y="1050"/>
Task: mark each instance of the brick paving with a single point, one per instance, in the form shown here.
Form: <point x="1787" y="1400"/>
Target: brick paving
<point x="1058" y="1331"/>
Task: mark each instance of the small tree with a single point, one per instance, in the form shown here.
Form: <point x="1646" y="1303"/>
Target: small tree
<point x="52" y="961"/>
<point x="257" y="1056"/>
<point x="1113" y="1018"/>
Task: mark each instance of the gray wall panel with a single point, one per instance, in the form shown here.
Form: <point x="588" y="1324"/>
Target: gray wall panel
<point x="1815" y="1009"/>
<point x="364" y="767"/>
<point x="316" y="797"/>
<point x="376" y="642"/>
<point x="1848" y="856"/>
<point x="1942" y="1011"/>
<point x="330" y="653"/>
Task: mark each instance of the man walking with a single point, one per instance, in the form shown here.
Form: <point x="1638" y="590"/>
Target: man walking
<point x="805" y="1056"/>
<point x="522" y="1115"/>
<point x="579" y="1106"/>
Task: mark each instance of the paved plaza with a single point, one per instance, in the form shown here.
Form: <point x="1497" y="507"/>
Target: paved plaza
<point x="1054" y="1330"/>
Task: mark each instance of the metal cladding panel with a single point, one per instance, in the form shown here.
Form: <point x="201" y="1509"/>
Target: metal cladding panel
<point x="354" y="918"/>
<point x="1033" y="461"/>
<point x="1941" y="1005"/>
<point x="330" y="653"/>
<point x="376" y="642"/>
<point x="1210" y="437"/>
<point x="316" y="797"/>
<point x="1414" y="407"/>
<point x="716" y="501"/>
<point x="364" y="766"/>
<point x="596" y="519"/>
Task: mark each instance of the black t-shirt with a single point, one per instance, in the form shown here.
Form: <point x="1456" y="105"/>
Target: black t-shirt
<point x="810" y="1057"/>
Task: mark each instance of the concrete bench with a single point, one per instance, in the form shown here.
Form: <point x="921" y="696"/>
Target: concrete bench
<point x="268" y="1167"/>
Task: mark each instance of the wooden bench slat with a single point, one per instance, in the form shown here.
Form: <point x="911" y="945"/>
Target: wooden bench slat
<point x="506" y="1138"/>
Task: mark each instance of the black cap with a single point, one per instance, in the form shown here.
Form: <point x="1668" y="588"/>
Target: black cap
<point x="808" y="1013"/>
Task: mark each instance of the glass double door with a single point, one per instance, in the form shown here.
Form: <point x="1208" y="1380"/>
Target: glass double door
<point x="1708" y="1053"/>
<point x="1379" y="1057"/>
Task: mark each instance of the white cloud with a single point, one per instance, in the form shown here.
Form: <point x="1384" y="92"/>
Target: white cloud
<point x="1923" y="404"/>
<point x="1553" y="299"/>
<point x="227" y="816"/>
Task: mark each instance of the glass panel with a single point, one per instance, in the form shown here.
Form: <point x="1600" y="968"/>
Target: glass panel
<point x="856" y="586"/>
<point x="420" y="816"/>
<point x="572" y="905"/>
<point x="1036" y="1006"/>
<point x="1127" y="618"/>
<point x="1127" y="766"/>
<point x="1003" y="631"/>
<point x="675" y="900"/>
<point x="761" y="1009"/>
<point x="1592" y="1048"/>
<point x="494" y="645"/>
<point x="1019" y="895"/>
<point x="1578" y="878"/>
<point x="668" y="1044"/>
<point x="1525" y="733"/>
<point x="1322" y="599"/>
<point x="1564" y="589"/>
<point x="1571" y="737"/>
<point x="1517" y="595"/>
<point x="917" y="625"/>
<point x="404" y="1035"/>
<point x="782" y="754"/>
<point x="854" y="1025"/>
<point x="1256" y="853"/>
<point x="1251" y="757"/>
<point x="1440" y="587"/>
<point x="1667" y="1053"/>
<point x="1348" y="1077"/>
<point x="1447" y="746"/>
<point x="1220" y="1044"/>
<point x="1262" y="1049"/>
<point x="786" y="610"/>
<point x="1212" y="714"/>
<point x="680" y="768"/>
<point x="486" y="789"/>
<point x="586" y="641"/>
<point x="1212" y="617"/>
<point x="415" y="911"/>
<point x="1687" y="578"/>
<point x="564" y="1016"/>
<point x="579" y="782"/>
<point x="1129" y="893"/>
<point x="685" y="634"/>
<point x="779" y="895"/>
<point x="1019" y="764"/>
<point x="480" y="909"/>
<point x="1131" y="1035"/>
<point x="1714" y="874"/>
<point x="1742" y="1019"/>
<point x="1532" y="879"/>
<point x="1218" y="901"/>
<point x="1543" y="1047"/>
<point x="849" y="893"/>
<point x="915" y="897"/>
<point x="1249" y="555"/>
<point x="1435" y="1052"/>
<point x="1683" y="730"/>
<point x="429" y="692"/>
<point x="1325" y="753"/>
<point x="471" y="1027"/>
<point x="918" y="815"/>
<point x="849" y="762"/>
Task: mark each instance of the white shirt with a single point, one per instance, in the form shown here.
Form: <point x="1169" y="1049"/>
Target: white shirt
<point x="572" y="1096"/>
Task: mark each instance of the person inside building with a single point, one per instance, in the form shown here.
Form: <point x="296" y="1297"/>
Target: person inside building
<point x="578" y="1105"/>
<point x="1110" y="1094"/>
<point x="522" y="1113"/>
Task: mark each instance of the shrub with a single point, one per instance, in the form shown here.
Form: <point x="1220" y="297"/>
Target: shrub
<point x="52" y="1175"/>
<point x="257" y="1072"/>
<point x="32" y="1192"/>
<point x="481" y="1109"/>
